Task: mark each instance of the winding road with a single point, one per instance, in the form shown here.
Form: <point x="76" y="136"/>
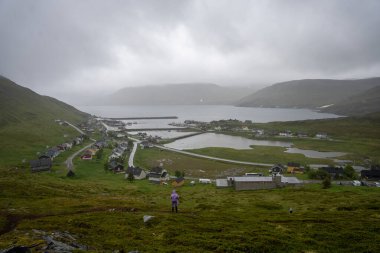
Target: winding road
<point x="69" y="160"/>
<point x="213" y="158"/>
<point x="132" y="156"/>
<point x="196" y="155"/>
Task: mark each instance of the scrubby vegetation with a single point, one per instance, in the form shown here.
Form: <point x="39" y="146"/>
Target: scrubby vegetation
<point x="104" y="211"/>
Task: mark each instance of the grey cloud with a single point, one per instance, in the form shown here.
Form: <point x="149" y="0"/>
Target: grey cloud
<point x="60" y="47"/>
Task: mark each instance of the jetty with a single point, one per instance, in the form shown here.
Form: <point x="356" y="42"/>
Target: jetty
<point x="141" y="118"/>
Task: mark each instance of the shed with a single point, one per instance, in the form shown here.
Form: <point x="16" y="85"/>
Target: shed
<point x="293" y="167"/>
<point x="40" y="165"/>
<point x="178" y="182"/>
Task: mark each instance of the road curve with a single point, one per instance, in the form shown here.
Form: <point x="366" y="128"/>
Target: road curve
<point x="213" y="158"/>
<point x="69" y="160"/>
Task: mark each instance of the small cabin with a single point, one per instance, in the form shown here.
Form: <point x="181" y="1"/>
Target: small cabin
<point x="178" y="182"/>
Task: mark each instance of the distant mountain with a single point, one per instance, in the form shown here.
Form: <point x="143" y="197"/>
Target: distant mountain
<point x="19" y="105"/>
<point x="363" y="103"/>
<point x="311" y="93"/>
<point x="176" y="94"/>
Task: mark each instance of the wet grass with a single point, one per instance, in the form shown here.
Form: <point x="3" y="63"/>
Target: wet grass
<point x="192" y="166"/>
<point x="105" y="212"/>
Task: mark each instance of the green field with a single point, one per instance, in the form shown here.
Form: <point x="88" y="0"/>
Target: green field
<point x="105" y="212"/>
<point x="359" y="137"/>
<point x="192" y="166"/>
<point x="23" y="141"/>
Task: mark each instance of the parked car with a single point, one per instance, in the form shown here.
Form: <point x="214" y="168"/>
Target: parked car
<point x="356" y="183"/>
<point x="377" y="184"/>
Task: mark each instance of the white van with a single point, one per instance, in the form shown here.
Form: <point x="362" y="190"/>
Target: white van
<point x="356" y="183"/>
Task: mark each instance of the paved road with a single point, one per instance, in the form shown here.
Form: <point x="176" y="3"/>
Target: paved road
<point x="208" y="157"/>
<point x="69" y="160"/>
<point x="132" y="155"/>
<point x="213" y="158"/>
<point x="76" y="128"/>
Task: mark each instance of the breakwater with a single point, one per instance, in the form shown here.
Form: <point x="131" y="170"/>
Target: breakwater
<point x="141" y="118"/>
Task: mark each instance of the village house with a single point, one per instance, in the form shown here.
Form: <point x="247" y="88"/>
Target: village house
<point x="100" y="144"/>
<point x="137" y="173"/>
<point x="277" y="169"/>
<point x="302" y="135"/>
<point x="116" y="167"/>
<point x="146" y="144"/>
<point x="52" y="152"/>
<point x="86" y="157"/>
<point x="335" y="172"/>
<point x="372" y="174"/>
<point x="158" y="175"/>
<point x="178" y="182"/>
<point x="40" y="165"/>
<point x="78" y="141"/>
<point x="113" y="156"/>
<point x="90" y="151"/>
<point x="285" y="134"/>
<point x="321" y="136"/>
<point x="258" y="132"/>
<point x="294" y="168"/>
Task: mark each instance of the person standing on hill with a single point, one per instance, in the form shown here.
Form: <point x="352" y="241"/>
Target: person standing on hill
<point x="175" y="201"/>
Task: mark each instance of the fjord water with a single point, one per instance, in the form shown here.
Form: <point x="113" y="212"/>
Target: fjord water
<point x="221" y="140"/>
<point x="205" y="113"/>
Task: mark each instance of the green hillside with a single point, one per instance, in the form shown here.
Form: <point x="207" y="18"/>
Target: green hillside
<point x="310" y="93"/>
<point x="176" y="94"/>
<point x="19" y="104"/>
<point x="363" y="103"/>
<point x="27" y="122"/>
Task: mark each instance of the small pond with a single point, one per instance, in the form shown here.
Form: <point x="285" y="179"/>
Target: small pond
<point x="314" y="154"/>
<point x="221" y="140"/>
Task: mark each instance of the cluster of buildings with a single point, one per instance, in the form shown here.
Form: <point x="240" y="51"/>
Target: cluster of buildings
<point x="44" y="161"/>
<point x="118" y="151"/>
<point x="89" y="153"/>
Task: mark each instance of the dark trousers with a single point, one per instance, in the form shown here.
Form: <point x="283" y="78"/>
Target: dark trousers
<point x="175" y="205"/>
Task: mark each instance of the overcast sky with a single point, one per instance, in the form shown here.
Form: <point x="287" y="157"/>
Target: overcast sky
<point x="63" y="47"/>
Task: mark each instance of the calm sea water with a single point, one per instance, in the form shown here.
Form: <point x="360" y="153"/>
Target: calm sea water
<point x="221" y="140"/>
<point x="205" y="113"/>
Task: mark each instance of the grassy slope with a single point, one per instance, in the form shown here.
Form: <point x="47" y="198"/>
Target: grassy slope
<point x="309" y="93"/>
<point x="357" y="136"/>
<point x="105" y="212"/>
<point x="192" y="166"/>
<point x="27" y="123"/>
